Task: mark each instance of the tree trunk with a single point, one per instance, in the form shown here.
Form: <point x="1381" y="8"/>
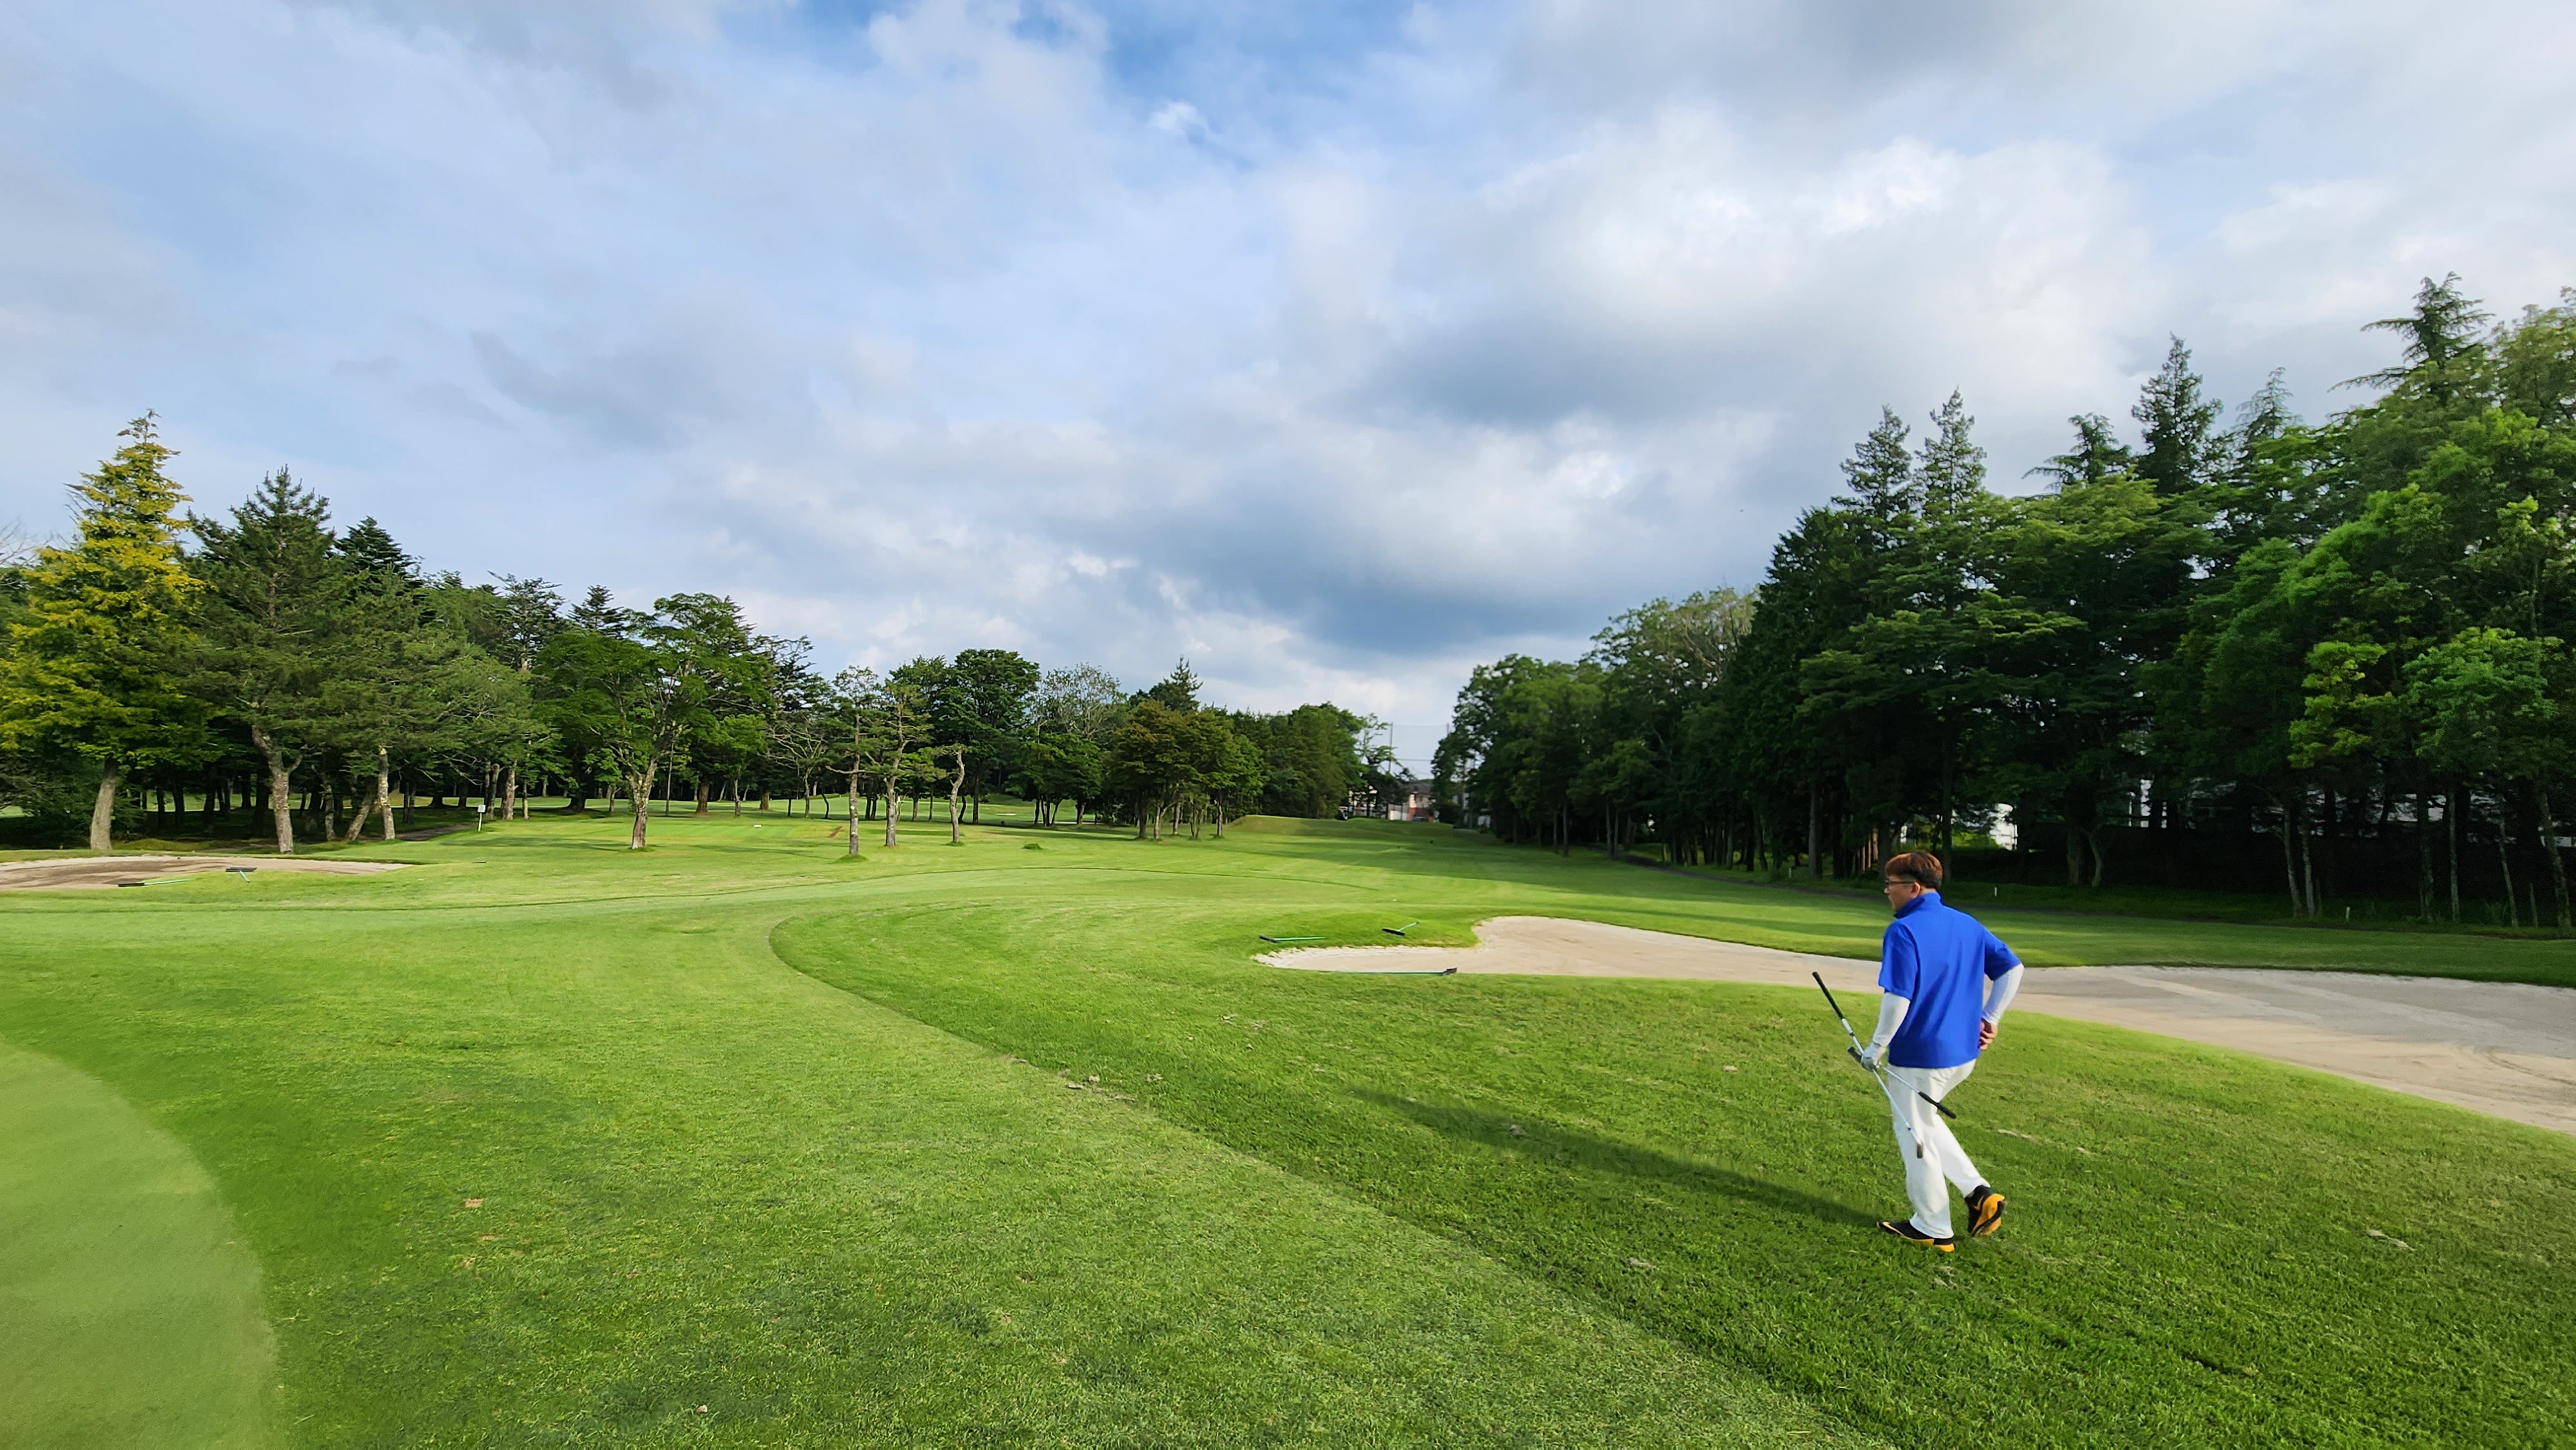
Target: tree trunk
<point x="281" y="801"/>
<point x="956" y="784"/>
<point x="358" y="822"/>
<point x="702" y="796"/>
<point x="2451" y="821"/>
<point x="639" y="792"/>
<point x="2308" y="859"/>
<point x="853" y="832"/>
<point x="1815" y="830"/>
<point x="2423" y="860"/>
<point x="2290" y="861"/>
<point x="2504" y="860"/>
<point x="2557" y="864"/>
<point x="385" y="791"/>
<point x="102" y="816"/>
<point x="2075" y="854"/>
<point x="510" y="793"/>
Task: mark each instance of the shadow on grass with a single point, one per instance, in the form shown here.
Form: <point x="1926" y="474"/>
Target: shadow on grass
<point x="1587" y="1154"/>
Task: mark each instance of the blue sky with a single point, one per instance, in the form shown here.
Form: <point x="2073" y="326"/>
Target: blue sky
<point x="1338" y="347"/>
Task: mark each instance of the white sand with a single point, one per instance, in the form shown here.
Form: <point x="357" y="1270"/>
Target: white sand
<point x="2498" y="1047"/>
<point x="77" y="873"/>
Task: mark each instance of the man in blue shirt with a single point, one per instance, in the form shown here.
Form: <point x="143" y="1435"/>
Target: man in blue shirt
<point x="1944" y="982"/>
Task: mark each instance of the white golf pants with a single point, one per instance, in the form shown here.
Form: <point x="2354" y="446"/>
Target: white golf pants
<point x="1933" y="1159"/>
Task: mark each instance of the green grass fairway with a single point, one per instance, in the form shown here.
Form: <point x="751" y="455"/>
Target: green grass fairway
<point x="738" y="1142"/>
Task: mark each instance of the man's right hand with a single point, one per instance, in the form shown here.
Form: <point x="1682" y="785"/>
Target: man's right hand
<point x="1985" y="1034"/>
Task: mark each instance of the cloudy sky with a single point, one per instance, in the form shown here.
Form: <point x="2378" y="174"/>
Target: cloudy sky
<point x="1335" y="346"/>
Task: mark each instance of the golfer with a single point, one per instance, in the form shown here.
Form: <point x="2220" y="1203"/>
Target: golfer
<point x="1945" y="981"/>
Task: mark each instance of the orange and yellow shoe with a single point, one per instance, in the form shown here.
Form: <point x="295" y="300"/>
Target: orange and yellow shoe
<point x="1913" y="1235"/>
<point x="1985" y="1210"/>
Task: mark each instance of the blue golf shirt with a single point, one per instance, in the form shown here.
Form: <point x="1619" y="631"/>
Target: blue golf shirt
<point x="1940" y="960"/>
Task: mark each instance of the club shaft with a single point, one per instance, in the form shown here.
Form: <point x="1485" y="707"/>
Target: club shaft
<point x="1855" y="1045"/>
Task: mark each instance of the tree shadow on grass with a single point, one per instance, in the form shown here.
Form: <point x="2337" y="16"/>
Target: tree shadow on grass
<point x="1585" y="1153"/>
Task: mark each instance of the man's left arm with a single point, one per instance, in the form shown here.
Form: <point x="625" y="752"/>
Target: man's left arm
<point x="2003" y="979"/>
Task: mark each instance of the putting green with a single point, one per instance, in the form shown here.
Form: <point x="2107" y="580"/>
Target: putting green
<point x="129" y="1310"/>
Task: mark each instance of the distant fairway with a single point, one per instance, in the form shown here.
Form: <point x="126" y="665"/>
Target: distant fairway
<point x="817" y="1145"/>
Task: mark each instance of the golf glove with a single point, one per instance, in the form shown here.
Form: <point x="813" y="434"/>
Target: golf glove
<point x="1870" y="1056"/>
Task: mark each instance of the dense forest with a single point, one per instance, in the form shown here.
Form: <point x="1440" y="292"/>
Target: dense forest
<point x="266" y="672"/>
<point x="2223" y="651"/>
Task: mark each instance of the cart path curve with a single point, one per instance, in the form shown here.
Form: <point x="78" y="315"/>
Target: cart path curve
<point x="2505" y="1048"/>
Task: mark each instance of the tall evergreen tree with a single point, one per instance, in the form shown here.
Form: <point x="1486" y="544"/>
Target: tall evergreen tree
<point x="1878" y="479"/>
<point x="1951" y="466"/>
<point x="2177" y="425"/>
<point x="2442" y="350"/>
<point x="95" y="656"/>
<point x="278" y="627"/>
<point x="2098" y="454"/>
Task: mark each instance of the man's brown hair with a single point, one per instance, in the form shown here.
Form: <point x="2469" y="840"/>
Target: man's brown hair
<point x="1920" y="867"/>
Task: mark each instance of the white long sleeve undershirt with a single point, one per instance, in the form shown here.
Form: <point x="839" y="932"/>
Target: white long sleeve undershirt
<point x="1891" y="1015"/>
<point x="1892" y="1008"/>
<point x="1999" y="993"/>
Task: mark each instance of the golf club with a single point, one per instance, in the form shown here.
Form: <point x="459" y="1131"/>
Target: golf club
<point x="1854" y="1049"/>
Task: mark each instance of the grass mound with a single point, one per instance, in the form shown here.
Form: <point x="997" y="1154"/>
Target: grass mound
<point x="133" y="1310"/>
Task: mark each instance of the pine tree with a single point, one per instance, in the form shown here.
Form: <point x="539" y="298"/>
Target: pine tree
<point x="2442" y="351"/>
<point x="1952" y="468"/>
<point x="2098" y="454"/>
<point x="280" y="643"/>
<point x="1178" y="691"/>
<point x="91" y="665"/>
<point x="1880" y="477"/>
<point x="377" y="560"/>
<point x="2178" y="426"/>
<point x="598" y="613"/>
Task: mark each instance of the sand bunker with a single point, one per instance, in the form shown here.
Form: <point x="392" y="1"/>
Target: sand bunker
<point x="2498" y="1047"/>
<point x="85" y="872"/>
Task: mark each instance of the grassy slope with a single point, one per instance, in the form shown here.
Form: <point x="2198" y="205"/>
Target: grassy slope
<point x="2190" y="1260"/>
<point x="132" y="1311"/>
<point x="708" y="1180"/>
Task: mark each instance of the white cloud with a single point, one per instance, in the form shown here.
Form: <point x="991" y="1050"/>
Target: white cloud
<point x="1450" y="332"/>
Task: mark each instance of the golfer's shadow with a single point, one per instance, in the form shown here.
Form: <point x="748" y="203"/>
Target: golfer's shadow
<point x="1581" y="1151"/>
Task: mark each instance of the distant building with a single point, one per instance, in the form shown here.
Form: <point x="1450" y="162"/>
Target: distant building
<point x="1411" y="800"/>
<point x="1417" y="803"/>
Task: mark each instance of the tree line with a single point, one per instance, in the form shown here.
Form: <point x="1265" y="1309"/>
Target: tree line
<point x="315" y="677"/>
<point x="2218" y="649"/>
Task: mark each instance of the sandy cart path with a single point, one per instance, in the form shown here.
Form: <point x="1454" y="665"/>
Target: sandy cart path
<point x="84" y="872"/>
<point x="2498" y="1047"/>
